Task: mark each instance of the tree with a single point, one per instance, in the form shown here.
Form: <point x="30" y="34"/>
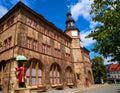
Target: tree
<point x="107" y="33"/>
<point x="98" y="68"/>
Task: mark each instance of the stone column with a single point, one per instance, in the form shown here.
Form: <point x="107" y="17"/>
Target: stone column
<point x="46" y="72"/>
<point x="10" y="80"/>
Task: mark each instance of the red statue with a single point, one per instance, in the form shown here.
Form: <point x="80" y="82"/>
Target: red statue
<point x="21" y="76"/>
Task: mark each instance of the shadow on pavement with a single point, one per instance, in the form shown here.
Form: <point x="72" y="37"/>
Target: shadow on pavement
<point x="118" y="90"/>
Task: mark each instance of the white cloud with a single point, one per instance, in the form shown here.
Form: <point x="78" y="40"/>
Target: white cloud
<point x="92" y="24"/>
<point x="108" y="59"/>
<point x="86" y="41"/>
<point x="3" y="10"/>
<point x="81" y="8"/>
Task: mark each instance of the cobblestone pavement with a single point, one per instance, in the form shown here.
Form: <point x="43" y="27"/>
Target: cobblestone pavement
<point x="114" y="88"/>
<point x="76" y="90"/>
<point x="58" y="91"/>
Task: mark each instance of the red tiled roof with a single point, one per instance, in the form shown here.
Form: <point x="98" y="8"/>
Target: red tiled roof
<point x="114" y="67"/>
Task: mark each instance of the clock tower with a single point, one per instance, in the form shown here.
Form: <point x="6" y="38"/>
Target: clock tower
<point x="77" y="61"/>
<point x="72" y="31"/>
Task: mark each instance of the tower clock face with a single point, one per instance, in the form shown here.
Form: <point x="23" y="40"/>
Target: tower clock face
<point x="74" y="33"/>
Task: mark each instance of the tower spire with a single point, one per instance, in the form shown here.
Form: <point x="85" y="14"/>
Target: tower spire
<point x="70" y="23"/>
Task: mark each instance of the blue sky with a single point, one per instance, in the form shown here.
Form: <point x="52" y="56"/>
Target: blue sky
<point x="55" y="12"/>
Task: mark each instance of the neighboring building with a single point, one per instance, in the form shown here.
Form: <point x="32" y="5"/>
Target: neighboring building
<point x="108" y="70"/>
<point x="114" y="73"/>
<point x="54" y="57"/>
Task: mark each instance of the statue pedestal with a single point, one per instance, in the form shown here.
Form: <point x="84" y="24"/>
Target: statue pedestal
<point x="22" y="90"/>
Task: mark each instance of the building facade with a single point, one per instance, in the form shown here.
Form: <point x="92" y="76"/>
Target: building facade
<point x="114" y="73"/>
<point x="54" y="57"/>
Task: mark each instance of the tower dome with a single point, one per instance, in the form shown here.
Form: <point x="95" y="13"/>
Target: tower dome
<point x="70" y="22"/>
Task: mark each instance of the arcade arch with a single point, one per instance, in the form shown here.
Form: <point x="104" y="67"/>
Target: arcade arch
<point x="55" y="74"/>
<point x="69" y="76"/>
<point x="34" y="72"/>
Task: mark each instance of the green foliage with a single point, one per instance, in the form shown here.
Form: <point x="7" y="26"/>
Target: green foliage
<point x="107" y="33"/>
<point x="98" y="67"/>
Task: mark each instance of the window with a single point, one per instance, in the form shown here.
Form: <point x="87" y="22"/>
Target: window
<point x="69" y="77"/>
<point x="1" y="28"/>
<point x="31" y="43"/>
<point x="46" y="32"/>
<point x="55" y="75"/>
<point x="68" y="57"/>
<point x="34" y="47"/>
<point x="10" y="21"/>
<point x="7" y="43"/>
<point x="78" y="76"/>
<point x="39" y="76"/>
<point x="57" y="52"/>
<point x="31" y="22"/>
<point x="56" y="37"/>
<point x="34" y="24"/>
<point x="28" y="75"/>
<point x="66" y="43"/>
<point x="34" y="74"/>
<point x="43" y="48"/>
<point x="67" y="54"/>
<point x="46" y="49"/>
<point x="51" y="81"/>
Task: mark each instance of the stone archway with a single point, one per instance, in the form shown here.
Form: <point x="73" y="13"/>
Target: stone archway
<point x="34" y="72"/>
<point x="69" y="76"/>
<point x="55" y="75"/>
<point x="86" y="82"/>
<point x="89" y="74"/>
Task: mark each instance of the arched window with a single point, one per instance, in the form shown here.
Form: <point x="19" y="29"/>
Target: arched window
<point x="69" y="76"/>
<point x="39" y="75"/>
<point x="90" y="77"/>
<point x="34" y="74"/>
<point x="28" y="75"/>
<point x="55" y="75"/>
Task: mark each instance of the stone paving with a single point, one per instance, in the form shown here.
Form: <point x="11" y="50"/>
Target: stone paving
<point x="112" y="88"/>
<point x="73" y="90"/>
<point x="76" y="90"/>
